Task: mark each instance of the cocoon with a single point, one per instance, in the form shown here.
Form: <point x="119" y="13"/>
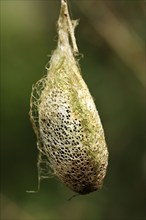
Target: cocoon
<point x="70" y="136"/>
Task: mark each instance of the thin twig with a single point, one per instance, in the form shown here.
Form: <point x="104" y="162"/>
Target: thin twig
<point x="71" y="25"/>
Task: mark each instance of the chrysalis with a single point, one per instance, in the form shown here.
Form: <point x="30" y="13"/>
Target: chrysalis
<point x="70" y="137"/>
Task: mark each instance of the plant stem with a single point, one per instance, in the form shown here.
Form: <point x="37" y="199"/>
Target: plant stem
<point x="66" y="24"/>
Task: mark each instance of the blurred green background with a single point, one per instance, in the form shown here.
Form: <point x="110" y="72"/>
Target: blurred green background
<point x="111" y="35"/>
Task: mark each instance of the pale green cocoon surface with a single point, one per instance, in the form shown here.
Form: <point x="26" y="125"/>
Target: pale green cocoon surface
<point x="69" y="132"/>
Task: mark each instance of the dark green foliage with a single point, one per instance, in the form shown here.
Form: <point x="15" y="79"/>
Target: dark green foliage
<point x="27" y="34"/>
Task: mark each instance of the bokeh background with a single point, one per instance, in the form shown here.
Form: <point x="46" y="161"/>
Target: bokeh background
<point x="111" y="35"/>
